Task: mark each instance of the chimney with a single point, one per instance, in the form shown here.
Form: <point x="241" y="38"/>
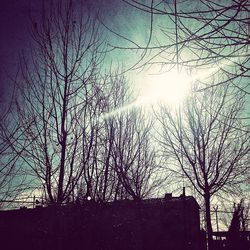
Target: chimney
<point x="168" y="196"/>
<point x="183" y="195"/>
<point x="183" y="191"/>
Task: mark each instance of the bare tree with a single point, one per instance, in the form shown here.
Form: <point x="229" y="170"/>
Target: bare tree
<point x="237" y="226"/>
<point x="12" y="178"/>
<point x="134" y="158"/>
<point x="207" y="140"/>
<point x="130" y="155"/>
<point x="115" y="95"/>
<point x="123" y="163"/>
<point x="55" y="94"/>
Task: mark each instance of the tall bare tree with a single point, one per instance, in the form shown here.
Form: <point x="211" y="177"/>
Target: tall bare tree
<point x="123" y="163"/>
<point x="55" y="94"/>
<point x="134" y="157"/>
<point x="207" y="140"/>
<point x="115" y="95"/>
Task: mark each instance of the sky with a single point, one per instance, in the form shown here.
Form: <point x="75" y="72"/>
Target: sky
<point x="15" y="36"/>
<point x="13" y="30"/>
<point x="116" y="14"/>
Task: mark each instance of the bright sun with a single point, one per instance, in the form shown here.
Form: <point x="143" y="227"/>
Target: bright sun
<point x="169" y="88"/>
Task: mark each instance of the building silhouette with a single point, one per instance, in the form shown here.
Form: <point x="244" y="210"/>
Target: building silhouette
<point x="169" y="223"/>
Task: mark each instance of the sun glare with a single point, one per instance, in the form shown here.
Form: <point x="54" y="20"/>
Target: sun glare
<point x="168" y="88"/>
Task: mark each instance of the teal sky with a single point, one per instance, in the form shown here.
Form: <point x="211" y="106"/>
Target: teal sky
<point x="119" y="17"/>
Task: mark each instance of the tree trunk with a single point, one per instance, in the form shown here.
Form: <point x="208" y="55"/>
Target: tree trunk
<point x="61" y="172"/>
<point x="63" y="141"/>
<point x="208" y="221"/>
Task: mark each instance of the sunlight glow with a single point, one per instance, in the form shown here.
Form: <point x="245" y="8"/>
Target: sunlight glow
<point x="168" y="88"/>
<point x="118" y="111"/>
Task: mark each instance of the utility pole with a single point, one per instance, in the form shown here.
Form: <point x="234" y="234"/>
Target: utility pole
<point x="216" y="218"/>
